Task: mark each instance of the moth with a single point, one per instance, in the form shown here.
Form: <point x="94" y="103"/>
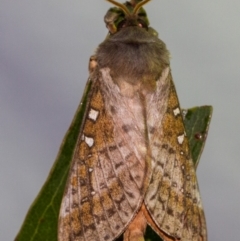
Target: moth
<point x="132" y="165"/>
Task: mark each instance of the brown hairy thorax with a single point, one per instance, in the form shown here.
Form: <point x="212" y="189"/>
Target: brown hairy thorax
<point x="133" y="53"/>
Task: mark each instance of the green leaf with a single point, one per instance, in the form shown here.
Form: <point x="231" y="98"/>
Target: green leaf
<point x="41" y="220"/>
<point x="197" y="121"/>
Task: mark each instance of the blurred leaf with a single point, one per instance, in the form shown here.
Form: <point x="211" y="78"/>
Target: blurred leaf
<point x="41" y="220"/>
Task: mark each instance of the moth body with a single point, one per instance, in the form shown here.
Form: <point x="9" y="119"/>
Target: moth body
<point x="131" y="165"/>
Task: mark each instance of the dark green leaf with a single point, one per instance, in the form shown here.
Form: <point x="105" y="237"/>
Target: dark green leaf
<point x="41" y="221"/>
<point x="196" y="121"/>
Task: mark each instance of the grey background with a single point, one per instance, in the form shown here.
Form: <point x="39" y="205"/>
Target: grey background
<point x="44" y="50"/>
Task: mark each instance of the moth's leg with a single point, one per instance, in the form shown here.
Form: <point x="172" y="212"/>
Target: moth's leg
<point x="92" y="63"/>
<point x="136" y="229"/>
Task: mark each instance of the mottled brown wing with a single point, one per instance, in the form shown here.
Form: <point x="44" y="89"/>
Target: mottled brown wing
<point x="173" y="198"/>
<point x="110" y="172"/>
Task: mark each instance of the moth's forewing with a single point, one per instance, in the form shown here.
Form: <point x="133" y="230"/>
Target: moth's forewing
<point x="108" y="176"/>
<point x="173" y="198"/>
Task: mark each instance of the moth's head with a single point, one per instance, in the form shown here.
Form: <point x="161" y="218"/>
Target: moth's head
<point x="125" y="15"/>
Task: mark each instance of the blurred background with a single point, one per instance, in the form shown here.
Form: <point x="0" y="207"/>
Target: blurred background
<point x="44" y="51"/>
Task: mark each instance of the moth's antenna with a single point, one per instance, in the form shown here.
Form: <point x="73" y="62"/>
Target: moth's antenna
<point x="120" y="5"/>
<point x="139" y="5"/>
